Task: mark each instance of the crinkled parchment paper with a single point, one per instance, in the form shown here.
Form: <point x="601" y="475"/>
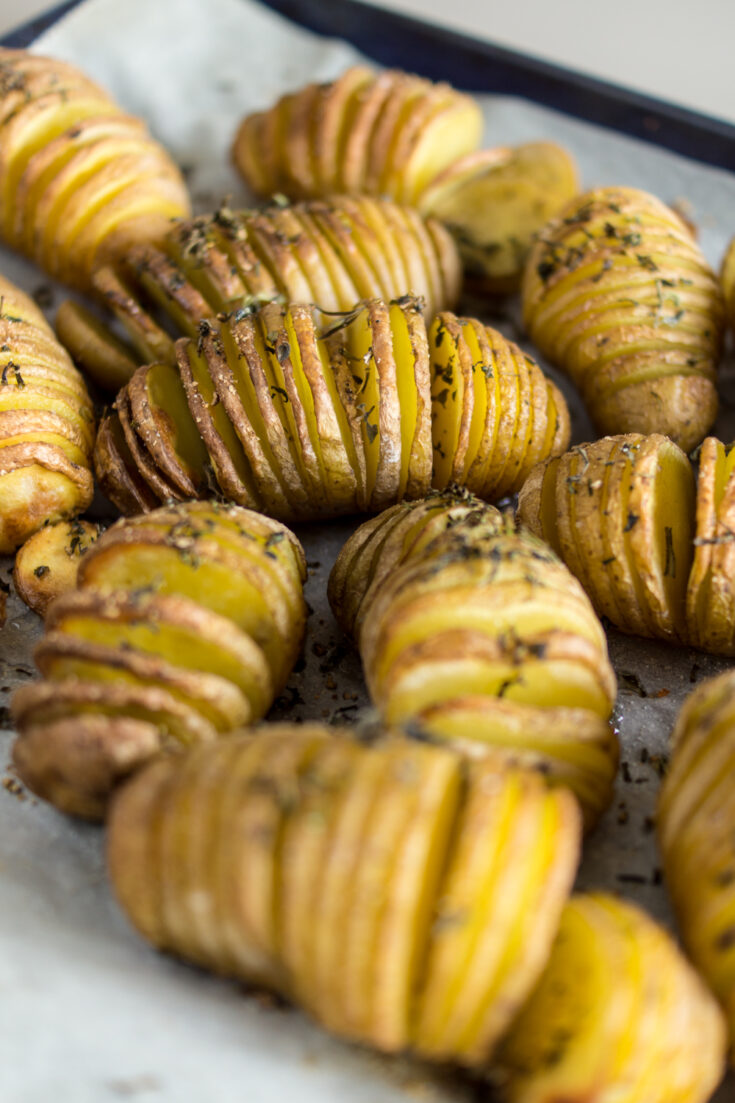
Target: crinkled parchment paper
<point x="89" y="1013"/>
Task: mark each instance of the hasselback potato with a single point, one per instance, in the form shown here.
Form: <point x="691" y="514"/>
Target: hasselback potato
<point x="620" y="513"/>
<point x="332" y="253"/>
<point x="383" y="134"/>
<point x="696" y="826"/>
<point x="619" y="1014"/>
<point x="46" y="424"/>
<point x="186" y="622"/>
<point x="477" y="635"/>
<point x="618" y="294"/>
<point x="82" y="182"/>
<point x="307" y="415"/>
<point x="404" y="898"/>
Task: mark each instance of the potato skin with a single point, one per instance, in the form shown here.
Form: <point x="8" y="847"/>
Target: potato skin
<point x="46" y="424"/>
<point x="46" y="565"/>
<point x="54" y="207"/>
<point x="372" y="940"/>
<point x="695" y="827"/>
<point x="618" y="294"/>
<point x="157" y="648"/>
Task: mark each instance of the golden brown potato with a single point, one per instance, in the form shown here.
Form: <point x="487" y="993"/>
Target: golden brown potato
<point x="46" y="565"/>
<point x="494" y="412"/>
<point x="186" y="624"/>
<point x="105" y="358"/>
<point x="620" y="513"/>
<point x="618" y="294"/>
<point x="696" y="823"/>
<point x="495" y="202"/>
<point x="618" y="1014"/>
<point x="331" y="253"/>
<point x="406" y="899"/>
<point x="477" y="636"/>
<point x="46" y="424"/>
<point x="82" y="181"/>
<point x="387" y="134"/>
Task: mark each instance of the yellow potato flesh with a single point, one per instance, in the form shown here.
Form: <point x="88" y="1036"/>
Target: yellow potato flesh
<point x="168" y="401"/>
<point x="448" y="136"/>
<point x="448" y="386"/>
<point x="211" y="584"/>
<point x="407" y="393"/>
<point x="179" y="646"/>
<point x="482" y="374"/>
<point x="552" y="684"/>
<point x="307" y="397"/>
<point x="359" y="350"/>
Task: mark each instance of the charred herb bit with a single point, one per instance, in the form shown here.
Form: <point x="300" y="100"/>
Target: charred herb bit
<point x="546" y="269"/>
<point x="348" y="317"/>
<point x="606" y="562"/>
<point x="279" y="391"/>
<point x="670" y="565"/>
<point x="725" y="940"/>
<point x="724" y="877"/>
<point x="632" y="879"/>
<point x="633" y="519"/>
<point x="633" y="683"/>
<point x="5" y="381"/>
<point x="647" y="262"/>
<point x="370" y="429"/>
<point x="41" y="570"/>
<point x="43" y="295"/>
<point x="625" y="772"/>
<point x="694" y="673"/>
<point x="441" y="396"/>
<point x="632" y="238"/>
<point x="606" y="266"/>
<point x="274" y="539"/>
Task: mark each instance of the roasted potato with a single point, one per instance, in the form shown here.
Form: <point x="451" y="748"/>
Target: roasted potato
<point x="46" y="565"/>
<point x="474" y="635"/>
<point x="494" y="412"/>
<point x="82" y="181"/>
<point x="386" y="134"/>
<point x="406" y="899"/>
<point x="617" y="292"/>
<point x="185" y="624"/>
<point x="620" y="513"/>
<point x="696" y="822"/>
<point x="331" y="253"/>
<point x="619" y="1014"/>
<point x="495" y="202"/>
<point x="46" y="424"/>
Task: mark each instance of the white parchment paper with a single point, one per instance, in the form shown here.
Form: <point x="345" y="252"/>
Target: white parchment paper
<point x="88" y="1013"/>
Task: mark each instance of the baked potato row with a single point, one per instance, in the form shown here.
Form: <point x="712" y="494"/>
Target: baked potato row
<point x="81" y="181"/>
<point x="409" y="900"/>
<point x="617" y="293"/>
<point x="46" y="424"/>
<point x="655" y="558"/>
<point x="332" y="253"/>
<point x="304" y="415"/>
<point x="696" y="826"/>
<point x="476" y="635"/>
<point x="185" y="624"/>
<point x="398" y="135"/>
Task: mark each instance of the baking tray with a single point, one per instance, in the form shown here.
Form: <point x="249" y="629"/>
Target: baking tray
<point x="89" y="1013"/>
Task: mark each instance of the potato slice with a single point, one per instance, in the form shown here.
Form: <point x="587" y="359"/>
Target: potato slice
<point x="514" y="861"/>
<point x="335" y="112"/>
<point x="46" y="565"/>
<point x="230" y="464"/>
<point x="572" y="748"/>
<point x="368" y="103"/>
<point x="174" y="628"/>
<point x="452" y="398"/>
<point x="75" y="761"/>
<point x="411" y="356"/>
<point x="116" y="291"/>
<point x="109" y="361"/>
<point x="162" y="487"/>
<point x="439" y="137"/>
<point x="60" y="657"/>
<point x="164" y="424"/>
<point x="116" y="472"/>
<point x="38" y="483"/>
<point x="600" y="1019"/>
<point x="715" y="467"/>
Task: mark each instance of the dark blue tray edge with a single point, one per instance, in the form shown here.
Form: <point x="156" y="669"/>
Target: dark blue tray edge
<point x="404" y="42"/>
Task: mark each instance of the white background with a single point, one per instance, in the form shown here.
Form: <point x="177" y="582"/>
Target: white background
<point x="680" y="50"/>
